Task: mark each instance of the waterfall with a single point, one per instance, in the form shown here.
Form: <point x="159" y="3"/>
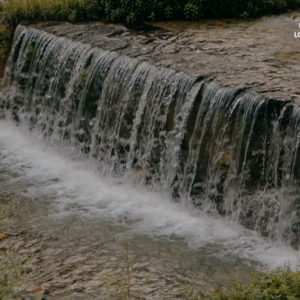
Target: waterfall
<point x="225" y="150"/>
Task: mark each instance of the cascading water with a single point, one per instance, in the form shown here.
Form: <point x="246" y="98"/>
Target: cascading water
<point x="224" y="149"/>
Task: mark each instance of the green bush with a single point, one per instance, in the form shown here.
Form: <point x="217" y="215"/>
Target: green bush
<point x="192" y="10"/>
<point x="5" y="39"/>
<point x="136" y="11"/>
<point x="130" y="12"/>
<point x="144" y="10"/>
<point x="282" y="284"/>
<point x="278" y="285"/>
<point x="15" y="11"/>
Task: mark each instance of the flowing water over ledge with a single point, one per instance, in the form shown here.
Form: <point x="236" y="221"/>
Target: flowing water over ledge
<point x="222" y="149"/>
<point x="75" y="188"/>
<point x="131" y="151"/>
<point x="82" y="226"/>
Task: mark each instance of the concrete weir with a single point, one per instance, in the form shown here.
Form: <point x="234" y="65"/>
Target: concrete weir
<point x="262" y="55"/>
<point x="208" y="112"/>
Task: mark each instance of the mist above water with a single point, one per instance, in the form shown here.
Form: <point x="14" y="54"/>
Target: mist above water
<point x="75" y="185"/>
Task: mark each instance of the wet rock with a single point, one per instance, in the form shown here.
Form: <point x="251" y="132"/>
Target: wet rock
<point x="236" y="51"/>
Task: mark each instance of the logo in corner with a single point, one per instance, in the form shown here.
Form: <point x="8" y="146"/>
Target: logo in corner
<point x="297" y="34"/>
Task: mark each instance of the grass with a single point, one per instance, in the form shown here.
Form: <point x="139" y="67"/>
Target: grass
<point x="15" y="11"/>
<point x="282" y="284"/>
<point x="10" y="263"/>
<point x="130" y="12"/>
<point x="136" y="11"/>
<point x="5" y="41"/>
<point x="10" y="274"/>
<point x="121" y="285"/>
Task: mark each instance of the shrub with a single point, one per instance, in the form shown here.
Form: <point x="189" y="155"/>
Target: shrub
<point x="282" y="284"/>
<point x="279" y="285"/>
<point x="15" y="11"/>
<point x="144" y="10"/>
<point x="4" y="41"/>
<point x="192" y="11"/>
<point x="130" y="12"/>
<point x="136" y="11"/>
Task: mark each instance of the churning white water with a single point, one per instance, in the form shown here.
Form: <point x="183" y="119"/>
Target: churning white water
<point x="74" y="184"/>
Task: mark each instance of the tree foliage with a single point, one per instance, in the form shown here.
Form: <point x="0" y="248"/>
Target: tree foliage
<point x="144" y="10"/>
<point x="136" y="11"/>
<point x="282" y="284"/>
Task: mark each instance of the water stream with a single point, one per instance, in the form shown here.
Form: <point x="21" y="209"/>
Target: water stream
<point x="74" y="186"/>
<point x="160" y="153"/>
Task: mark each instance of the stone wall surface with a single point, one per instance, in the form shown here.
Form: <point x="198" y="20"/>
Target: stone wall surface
<point x="262" y="54"/>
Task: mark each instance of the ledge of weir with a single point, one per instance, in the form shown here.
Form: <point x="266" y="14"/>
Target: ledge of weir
<point x="261" y="55"/>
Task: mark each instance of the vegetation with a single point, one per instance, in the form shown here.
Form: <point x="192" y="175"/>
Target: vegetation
<point x="10" y="262"/>
<point x="12" y="12"/>
<point x="5" y="38"/>
<point x="133" y="11"/>
<point x="279" y="285"/>
<point x="15" y="11"/>
<point x="282" y="284"/>
<point x="4" y="41"/>
<point x="10" y="274"/>
<point x="120" y="286"/>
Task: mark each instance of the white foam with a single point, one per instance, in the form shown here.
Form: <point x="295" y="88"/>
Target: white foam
<point x="72" y="182"/>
